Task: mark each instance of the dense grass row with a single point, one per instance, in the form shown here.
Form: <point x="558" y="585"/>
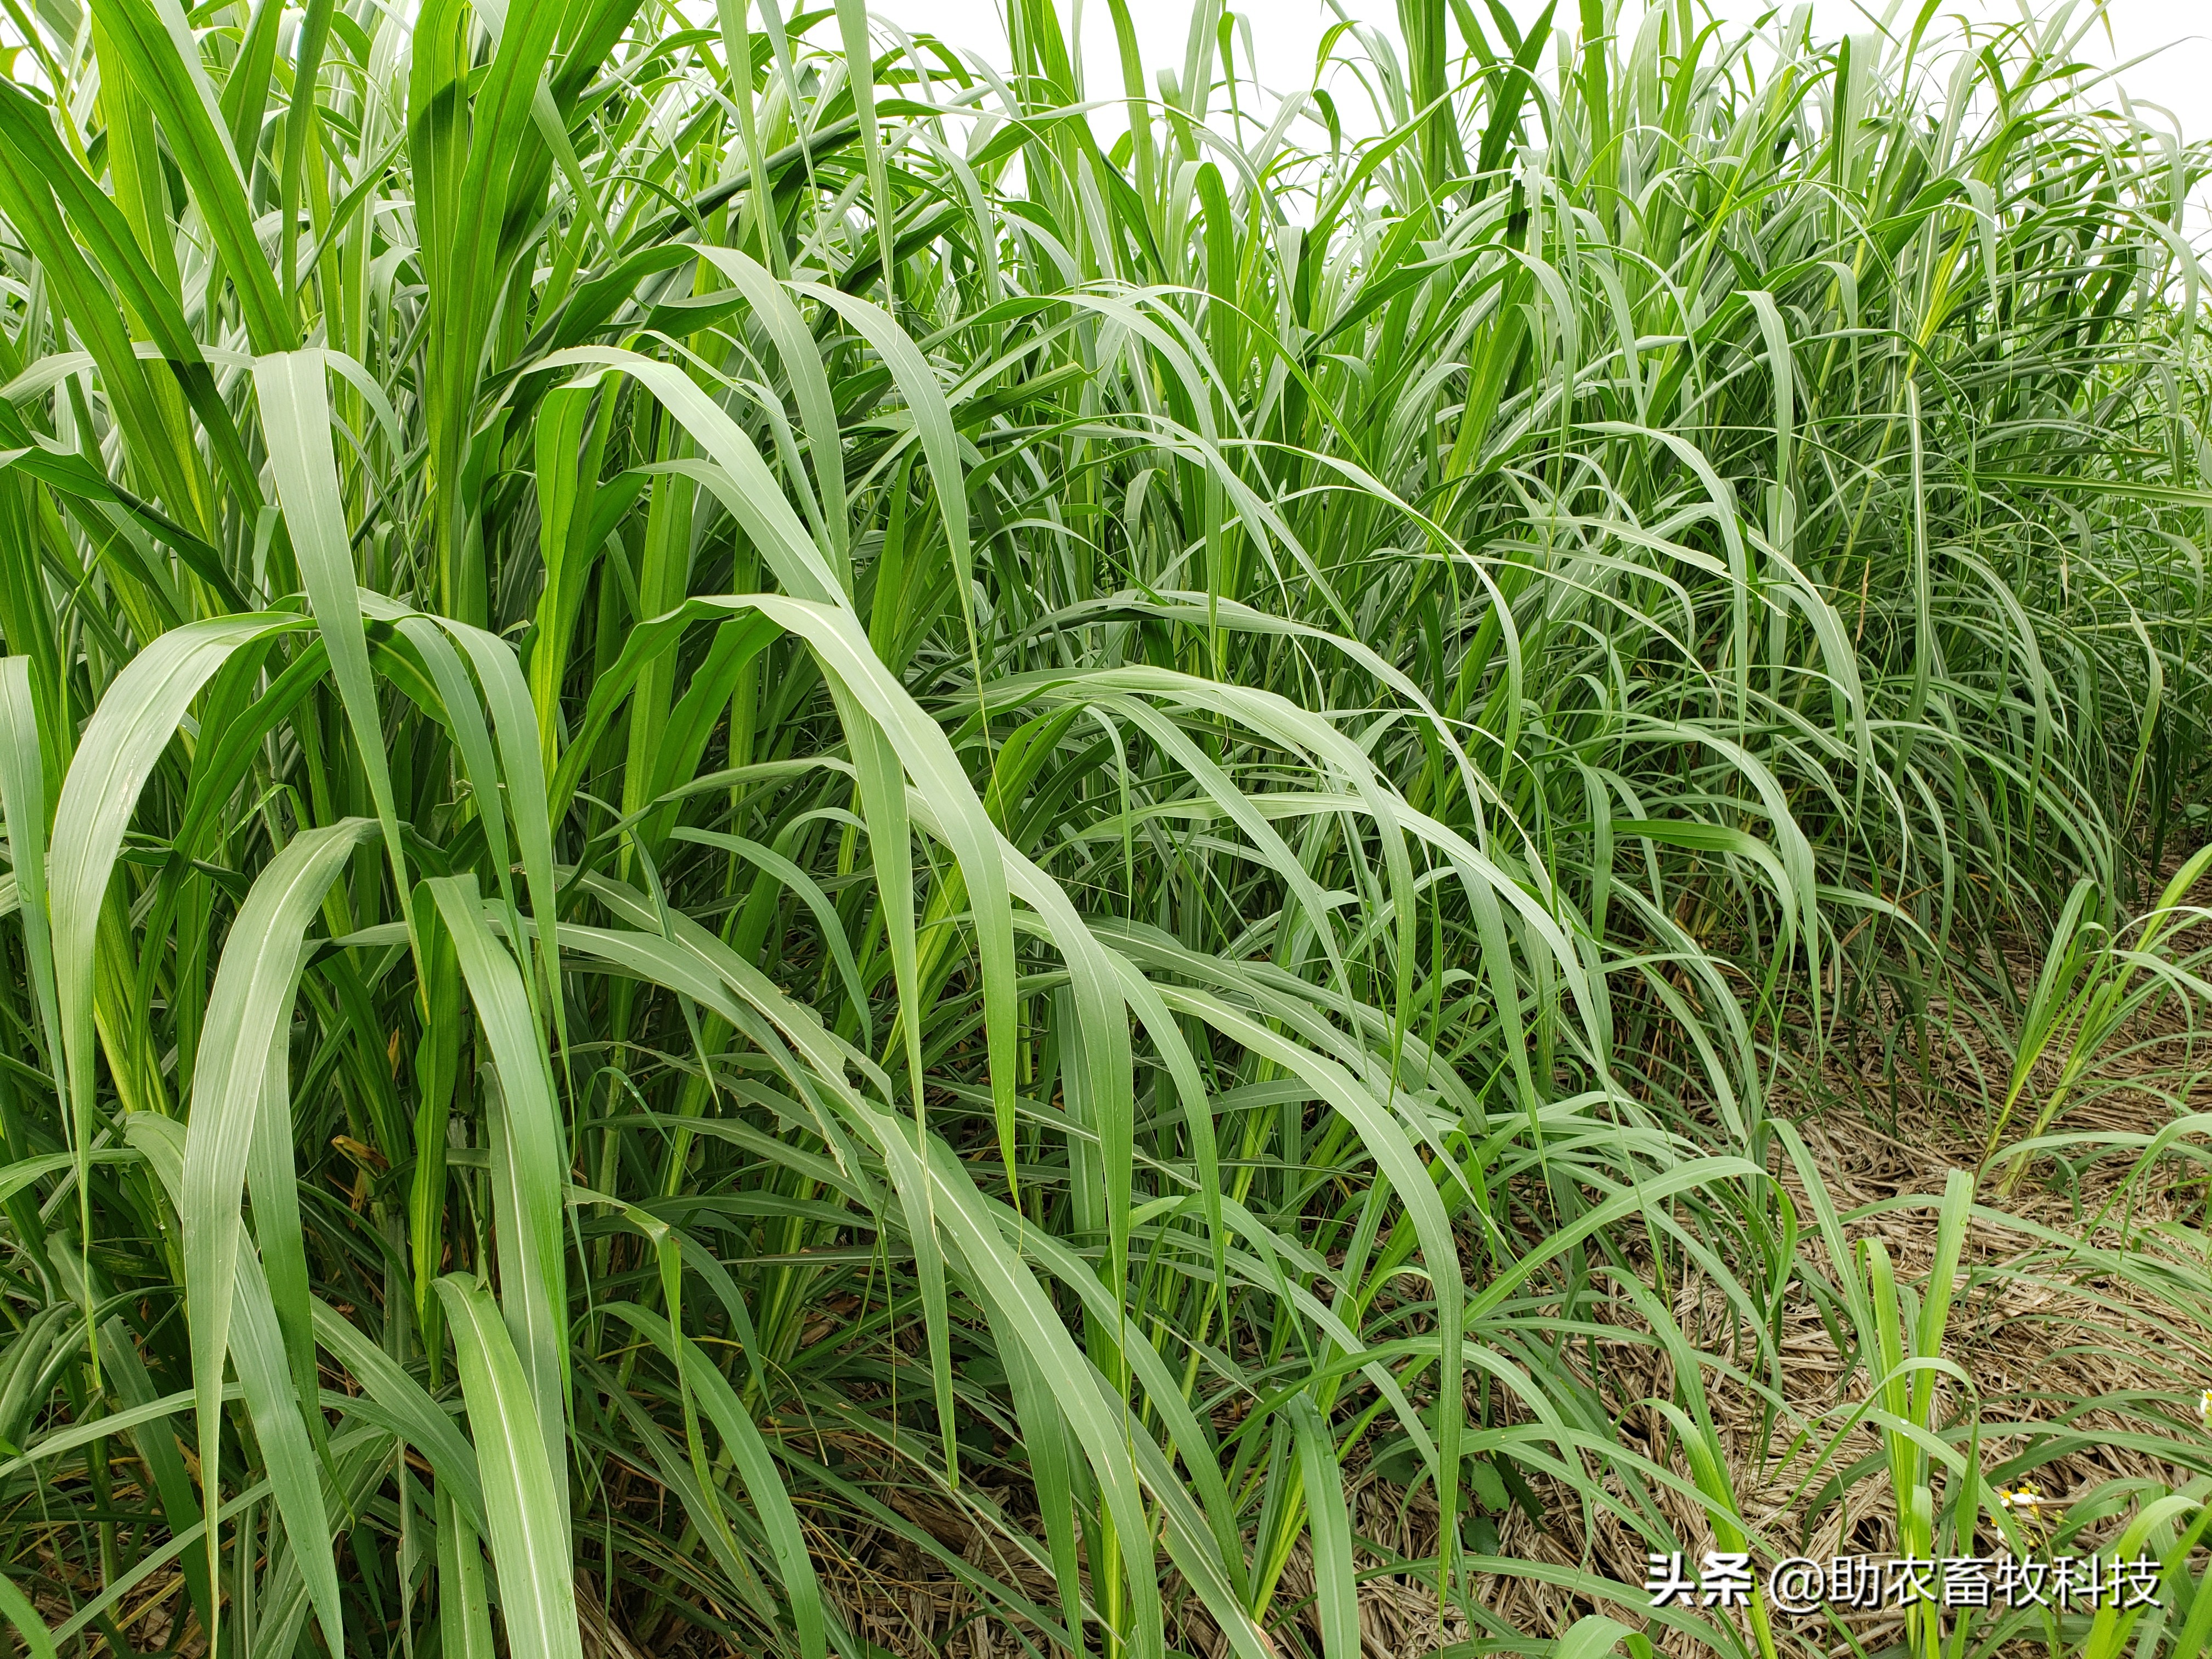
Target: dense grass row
<point x="746" y="803"/>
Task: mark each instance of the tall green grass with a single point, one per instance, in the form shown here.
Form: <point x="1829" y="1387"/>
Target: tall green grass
<point x="859" y="798"/>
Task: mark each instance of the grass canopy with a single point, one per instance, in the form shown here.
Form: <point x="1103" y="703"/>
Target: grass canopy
<point x="817" y="848"/>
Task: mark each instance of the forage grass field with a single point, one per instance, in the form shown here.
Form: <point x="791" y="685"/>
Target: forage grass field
<point x="814" y="849"/>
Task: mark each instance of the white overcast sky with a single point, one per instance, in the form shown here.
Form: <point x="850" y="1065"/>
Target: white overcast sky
<point x="2177" y="34"/>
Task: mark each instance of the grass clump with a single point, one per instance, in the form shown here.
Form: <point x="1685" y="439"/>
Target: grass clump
<point x="814" y="849"/>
